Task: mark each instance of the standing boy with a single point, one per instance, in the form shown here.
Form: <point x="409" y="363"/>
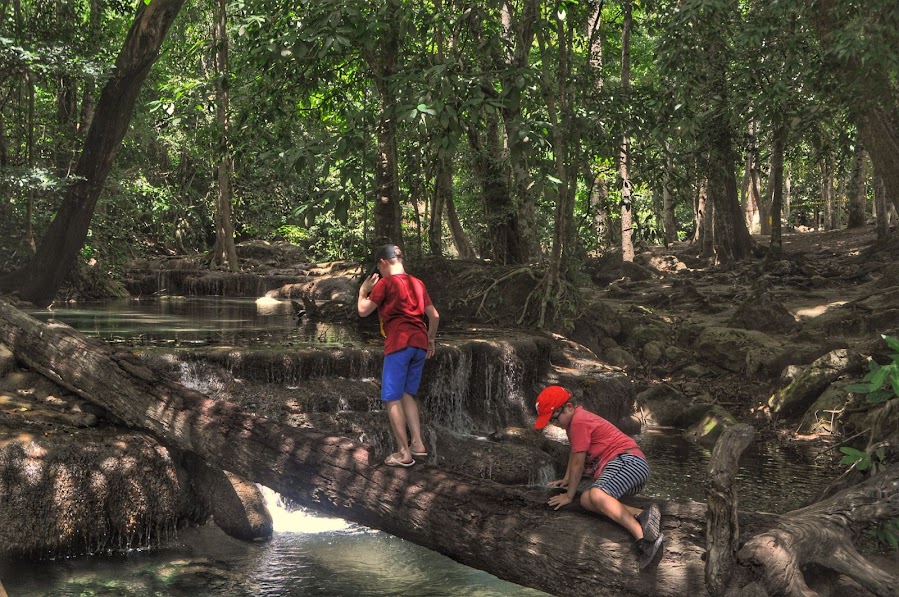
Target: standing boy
<point x="402" y="302"/>
<point x="612" y="459"/>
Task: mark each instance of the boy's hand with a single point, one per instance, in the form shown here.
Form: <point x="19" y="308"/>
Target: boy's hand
<point x="368" y="284"/>
<point x="557" y="501"/>
<point x="558" y="483"/>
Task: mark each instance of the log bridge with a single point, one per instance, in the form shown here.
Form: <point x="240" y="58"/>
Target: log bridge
<point x="509" y="532"/>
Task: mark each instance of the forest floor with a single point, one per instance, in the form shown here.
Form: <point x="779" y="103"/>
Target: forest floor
<point x="824" y="281"/>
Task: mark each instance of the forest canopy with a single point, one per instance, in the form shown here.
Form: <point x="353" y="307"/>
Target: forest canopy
<point x="516" y="131"/>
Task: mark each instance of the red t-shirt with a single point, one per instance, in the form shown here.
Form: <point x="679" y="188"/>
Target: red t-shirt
<point x="601" y="440"/>
<point x="401" y="301"/>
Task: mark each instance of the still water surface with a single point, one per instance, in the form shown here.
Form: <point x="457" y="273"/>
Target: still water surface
<point x="311" y="555"/>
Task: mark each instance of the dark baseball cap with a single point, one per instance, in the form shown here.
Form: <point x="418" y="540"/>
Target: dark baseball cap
<point x="389" y="251"/>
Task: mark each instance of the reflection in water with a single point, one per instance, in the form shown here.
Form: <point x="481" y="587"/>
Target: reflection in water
<point x="199" y="321"/>
<point x="771" y="478"/>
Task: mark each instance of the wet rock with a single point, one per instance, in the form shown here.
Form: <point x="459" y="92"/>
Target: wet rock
<point x="821" y="416"/>
<point x="808" y="386"/>
<point x="736" y="349"/>
<point x="619" y="357"/>
<point x="237" y="506"/>
<point x="709" y="428"/>
<point x="7" y="360"/>
<point x="662" y="404"/>
<point x="653" y="352"/>
<point x="695" y="371"/>
<point x="760" y="310"/>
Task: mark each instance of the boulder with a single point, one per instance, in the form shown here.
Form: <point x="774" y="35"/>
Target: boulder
<point x="820" y="417"/>
<point x="707" y="430"/>
<point x="735" y="349"/>
<point x="802" y="392"/>
<point x="7" y="360"/>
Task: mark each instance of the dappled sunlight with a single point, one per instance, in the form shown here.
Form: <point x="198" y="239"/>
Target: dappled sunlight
<point x="815" y="311"/>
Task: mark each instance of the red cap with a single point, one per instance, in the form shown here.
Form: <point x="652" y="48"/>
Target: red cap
<point x="549" y="400"/>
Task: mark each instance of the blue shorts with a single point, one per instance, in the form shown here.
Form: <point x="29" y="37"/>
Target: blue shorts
<point x="624" y="475"/>
<point x="402" y="373"/>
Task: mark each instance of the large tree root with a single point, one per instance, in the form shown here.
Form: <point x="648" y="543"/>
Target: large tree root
<point x="817" y="534"/>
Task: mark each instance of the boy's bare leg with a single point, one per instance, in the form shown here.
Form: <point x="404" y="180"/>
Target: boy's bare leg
<point x="598" y="501"/>
<point x="410" y="409"/>
<point x="395" y="413"/>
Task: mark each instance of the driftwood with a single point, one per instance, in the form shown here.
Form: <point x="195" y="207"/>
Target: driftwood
<point x="771" y="562"/>
<point x="509" y="532"/>
<point x="723" y="527"/>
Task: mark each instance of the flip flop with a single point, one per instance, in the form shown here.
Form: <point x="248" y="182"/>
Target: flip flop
<point x="420" y="454"/>
<point x="392" y="461"/>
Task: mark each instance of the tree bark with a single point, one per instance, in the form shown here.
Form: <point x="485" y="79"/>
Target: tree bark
<point x="723" y="528"/>
<point x="857" y="195"/>
<point x="39" y="280"/>
<point x="777" y="188"/>
<point x="627" y="214"/>
<point x="668" y="201"/>
<point x="822" y="534"/>
<point x="519" y="34"/>
<point x="224" y="249"/>
<point x="882" y="208"/>
<point x="383" y="63"/>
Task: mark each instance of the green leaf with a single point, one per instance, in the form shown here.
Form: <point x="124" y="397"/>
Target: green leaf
<point x="879" y="396"/>
<point x="891" y="342"/>
<point x="857" y="388"/>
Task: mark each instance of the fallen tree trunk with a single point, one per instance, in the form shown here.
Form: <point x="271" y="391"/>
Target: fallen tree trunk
<point x="822" y="534"/>
<point x="772" y="562"/>
<point x="509" y="532"/>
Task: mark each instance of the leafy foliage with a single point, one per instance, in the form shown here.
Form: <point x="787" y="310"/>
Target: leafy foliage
<point x="882" y="381"/>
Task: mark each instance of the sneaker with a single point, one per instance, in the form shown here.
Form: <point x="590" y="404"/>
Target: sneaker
<point x="647" y="550"/>
<point x="650" y="521"/>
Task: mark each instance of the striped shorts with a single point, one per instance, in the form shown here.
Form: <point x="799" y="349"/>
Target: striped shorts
<point x="624" y="475"/>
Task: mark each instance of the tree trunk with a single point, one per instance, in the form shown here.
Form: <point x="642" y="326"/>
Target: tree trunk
<point x="499" y="211"/>
<point x="857" y="193"/>
<point x="627" y="215"/>
<point x="39" y="280"/>
<point x="876" y="112"/>
<point x="882" y="208"/>
<point x="460" y="240"/>
<point x="821" y="533"/>
<point x="751" y="206"/>
<point x="224" y="249"/>
<point x="827" y="194"/>
<point x="518" y="35"/>
<point x="723" y="528"/>
<point x="732" y="240"/>
<point x="507" y="531"/>
<point x="777" y="184"/>
<point x="383" y="63"/>
<point x="668" y="203"/>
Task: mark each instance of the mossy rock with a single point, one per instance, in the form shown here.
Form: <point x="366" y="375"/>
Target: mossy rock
<point x="709" y="428"/>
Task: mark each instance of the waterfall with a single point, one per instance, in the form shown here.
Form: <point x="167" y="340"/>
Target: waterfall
<point x="287" y="519"/>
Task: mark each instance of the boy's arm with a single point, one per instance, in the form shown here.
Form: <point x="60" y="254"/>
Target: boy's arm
<point x="365" y="305"/>
<point x="573" y="475"/>
<point x="433" y="323"/>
